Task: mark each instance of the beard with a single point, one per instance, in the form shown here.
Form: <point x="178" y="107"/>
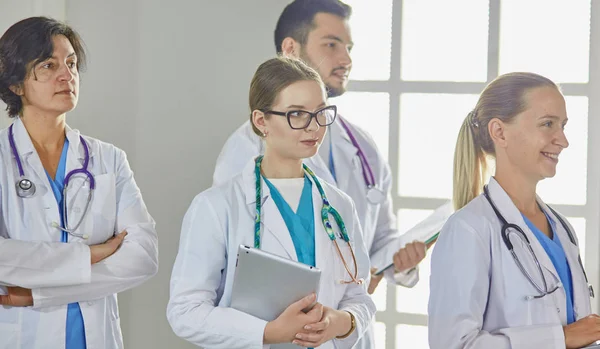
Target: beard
<point x="331" y="91"/>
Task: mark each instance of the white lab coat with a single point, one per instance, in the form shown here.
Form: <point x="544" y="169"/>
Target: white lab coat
<point x="378" y="221"/>
<point x="478" y="293"/>
<point x="32" y="256"/>
<point x="222" y="218"/>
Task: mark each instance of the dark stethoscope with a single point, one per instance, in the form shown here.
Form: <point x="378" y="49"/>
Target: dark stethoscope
<point x="517" y="230"/>
<point x="26" y="188"/>
<point x="374" y="194"/>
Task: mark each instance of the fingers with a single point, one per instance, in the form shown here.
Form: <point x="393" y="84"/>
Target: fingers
<point x="375" y="279"/>
<point x="117" y="240"/>
<point x="315" y="314"/>
<point x="411" y="251"/>
<point x="401" y="261"/>
<point x="309" y="340"/>
<point x="4" y="299"/>
<point x="121" y="236"/>
<point x="317" y="327"/>
<point x="303" y="303"/>
<point x="409" y="256"/>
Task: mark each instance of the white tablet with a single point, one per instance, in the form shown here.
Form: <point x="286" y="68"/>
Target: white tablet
<point x="265" y="284"/>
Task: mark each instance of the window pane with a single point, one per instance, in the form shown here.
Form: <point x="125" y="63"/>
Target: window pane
<point x="448" y="43"/>
<point x="414" y="300"/>
<point x="379" y="335"/>
<point x="371" y="24"/>
<point x="408" y="218"/>
<point x="370" y="111"/>
<point x="554" y="43"/>
<point x="569" y="184"/>
<point x="380" y="295"/>
<point x="429" y="125"/>
<point x="409" y="336"/>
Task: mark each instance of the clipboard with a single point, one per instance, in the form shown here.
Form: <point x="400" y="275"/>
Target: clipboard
<point x="427" y="231"/>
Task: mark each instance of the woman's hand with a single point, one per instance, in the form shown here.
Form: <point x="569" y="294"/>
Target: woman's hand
<point x="292" y="320"/>
<point x="102" y="251"/>
<point x="17" y="297"/>
<point x="334" y="323"/>
<point x="582" y="332"/>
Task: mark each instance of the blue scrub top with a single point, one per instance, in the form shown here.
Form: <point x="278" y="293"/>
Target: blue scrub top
<point x="555" y="251"/>
<point x="301" y="224"/>
<point x="75" y="335"/>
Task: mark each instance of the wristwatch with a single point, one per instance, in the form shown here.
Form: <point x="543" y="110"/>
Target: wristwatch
<point x="352" y="326"/>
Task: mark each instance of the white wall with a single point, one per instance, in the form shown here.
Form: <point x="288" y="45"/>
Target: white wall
<point x="168" y="84"/>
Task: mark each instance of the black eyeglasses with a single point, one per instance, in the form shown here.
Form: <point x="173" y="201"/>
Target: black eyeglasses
<point x="300" y="119"/>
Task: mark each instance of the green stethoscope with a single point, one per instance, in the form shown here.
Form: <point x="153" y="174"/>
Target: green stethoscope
<point x="326" y="210"/>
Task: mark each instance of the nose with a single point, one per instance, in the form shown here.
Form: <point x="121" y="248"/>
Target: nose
<point x="312" y="125"/>
<point x="346" y="58"/>
<point x="65" y="73"/>
<point x="561" y="139"/>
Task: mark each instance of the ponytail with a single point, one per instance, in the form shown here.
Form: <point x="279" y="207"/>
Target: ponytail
<point x="469" y="165"/>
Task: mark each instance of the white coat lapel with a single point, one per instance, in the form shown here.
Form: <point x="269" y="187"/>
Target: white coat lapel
<point x="274" y="225"/>
<point x="581" y="293"/>
<point x="512" y="215"/>
<point x="344" y="156"/>
<point x="322" y="241"/>
<point x="272" y="221"/>
<point x="32" y="165"/>
<point x="320" y="168"/>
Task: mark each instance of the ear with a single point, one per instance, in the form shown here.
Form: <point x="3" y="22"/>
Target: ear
<point x="497" y="130"/>
<point x="290" y="48"/>
<point x="18" y="90"/>
<point x="258" y="119"/>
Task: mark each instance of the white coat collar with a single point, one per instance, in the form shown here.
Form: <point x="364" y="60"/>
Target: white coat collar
<point x="273" y="221"/>
<point x="25" y="145"/>
<point x="344" y="154"/>
<point x="511" y="214"/>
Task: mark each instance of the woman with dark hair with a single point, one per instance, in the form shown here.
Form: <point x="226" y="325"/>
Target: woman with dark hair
<point x="74" y="230"/>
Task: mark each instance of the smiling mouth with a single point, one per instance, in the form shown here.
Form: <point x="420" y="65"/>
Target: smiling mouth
<point x="551" y="156"/>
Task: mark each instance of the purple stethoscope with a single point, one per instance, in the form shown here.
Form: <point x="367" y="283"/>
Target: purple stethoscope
<point x="26" y="188"/>
<point x="374" y="194"/>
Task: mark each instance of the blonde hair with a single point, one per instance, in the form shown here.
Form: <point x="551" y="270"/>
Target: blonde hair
<point x="272" y="77"/>
<point x="502" y="99"/>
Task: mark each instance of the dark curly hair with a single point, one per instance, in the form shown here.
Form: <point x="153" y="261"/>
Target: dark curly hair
<point x="25" y="44"/>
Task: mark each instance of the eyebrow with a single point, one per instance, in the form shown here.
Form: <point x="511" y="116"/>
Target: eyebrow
<point x="72" y="54"/>
<point x="552" y="117"/>
<point x="296" y="106"/>
<point x="337" y="38"/>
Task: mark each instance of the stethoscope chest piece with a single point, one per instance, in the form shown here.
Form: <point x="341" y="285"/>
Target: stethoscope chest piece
<point x="25" y="188"/>
<point x="375" y="195"/>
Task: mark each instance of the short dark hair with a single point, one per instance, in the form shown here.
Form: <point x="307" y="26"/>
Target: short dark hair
<point x="297" y="19"/>
<point x="25" y="44"/>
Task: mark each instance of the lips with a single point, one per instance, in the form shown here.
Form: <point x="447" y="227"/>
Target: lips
<point x="551" y="156"/>
<point x="340" y="74"/>
<point x="310" y="142"/>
